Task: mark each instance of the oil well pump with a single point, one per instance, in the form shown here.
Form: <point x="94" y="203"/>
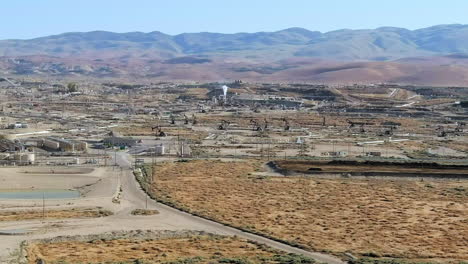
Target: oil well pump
<point x="255" y="125"/>
<point x="159" y="132"/>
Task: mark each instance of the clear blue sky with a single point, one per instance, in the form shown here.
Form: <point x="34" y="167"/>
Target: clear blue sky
<point x="34" y="18"/>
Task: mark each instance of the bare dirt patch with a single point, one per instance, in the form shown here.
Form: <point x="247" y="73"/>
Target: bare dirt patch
<point x="403" y="219"/>
<point x="59" y="171"/>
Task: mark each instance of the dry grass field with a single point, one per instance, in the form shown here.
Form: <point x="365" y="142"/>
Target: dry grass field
<point x="144" y="212"/>
<point x="196" y="249"/>
<point x="21" y="215"/>
<point x="392" y="218"/>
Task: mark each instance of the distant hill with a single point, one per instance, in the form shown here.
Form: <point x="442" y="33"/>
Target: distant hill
<point x="431" y="56"/>
<point x="380" y="44"/>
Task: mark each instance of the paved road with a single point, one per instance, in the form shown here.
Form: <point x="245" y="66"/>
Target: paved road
<point x="138" y="199"/>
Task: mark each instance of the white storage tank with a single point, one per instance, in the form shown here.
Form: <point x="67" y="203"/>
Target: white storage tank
<point x="159" y="150"/>
<point x="25" y="158"/>
<point x="31" y="158"/>
<point x="51" y="144"/>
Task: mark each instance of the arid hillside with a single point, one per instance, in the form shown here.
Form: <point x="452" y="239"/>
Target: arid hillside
<point x="432" y="71"/>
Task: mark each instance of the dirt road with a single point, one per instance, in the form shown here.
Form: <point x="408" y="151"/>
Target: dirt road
<point x="134" y="194"/>
<point x="122" y="220"/>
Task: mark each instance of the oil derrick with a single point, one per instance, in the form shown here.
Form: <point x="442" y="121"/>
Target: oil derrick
<point x="194" y="119"/>
<point x="286" y="124"/>
<point x="303" y="148"/>
<point x="172" y="119"/>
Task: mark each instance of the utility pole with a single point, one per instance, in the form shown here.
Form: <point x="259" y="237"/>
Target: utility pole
<point x="268" y="151"/>
<point x="179" y="147"/>
<point x="43" y="206"/>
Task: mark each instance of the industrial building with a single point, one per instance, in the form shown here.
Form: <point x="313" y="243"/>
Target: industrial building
<point x="10" y="146"/>
<point x="17" y="125"/>
<point x="60" y="144"/>
<point x="267" y="100"/>
<point x="120" y="141"/>
<point x="335" y="154"/>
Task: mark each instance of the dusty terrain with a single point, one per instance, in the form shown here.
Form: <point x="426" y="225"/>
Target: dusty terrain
<point x="395" y="218"/>
<point x="49" y="178"/>
<point x="21" y="215"/>
<point x="175" y="248"/>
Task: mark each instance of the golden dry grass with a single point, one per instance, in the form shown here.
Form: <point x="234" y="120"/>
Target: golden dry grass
<point x="209" y="248"/>
<point x="144" y="212"/>
<point x="52" y="214"/>
<point x="199" y="93"/>
<point x="408" y="219"/>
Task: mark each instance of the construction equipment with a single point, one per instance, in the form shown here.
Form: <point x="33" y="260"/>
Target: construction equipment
<point x="460" y="127"/>
<point x="224" y="125"/>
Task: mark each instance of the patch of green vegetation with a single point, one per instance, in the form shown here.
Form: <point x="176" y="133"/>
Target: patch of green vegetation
<point x="292" y="259"/>
<point x="234" y="261"/>
<point x="186" y="261"/>
<point x="384" y="261"/>
<point x="459" y="189"/>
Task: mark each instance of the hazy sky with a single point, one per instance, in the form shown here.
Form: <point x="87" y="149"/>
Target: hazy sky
<point x="34" y="18"/>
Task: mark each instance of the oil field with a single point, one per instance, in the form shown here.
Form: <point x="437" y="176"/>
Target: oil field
<point x="234" y="132"/>
<point x="119" y="172"/>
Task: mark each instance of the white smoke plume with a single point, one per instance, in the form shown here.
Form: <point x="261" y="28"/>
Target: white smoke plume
<point x="225" y="89"/>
